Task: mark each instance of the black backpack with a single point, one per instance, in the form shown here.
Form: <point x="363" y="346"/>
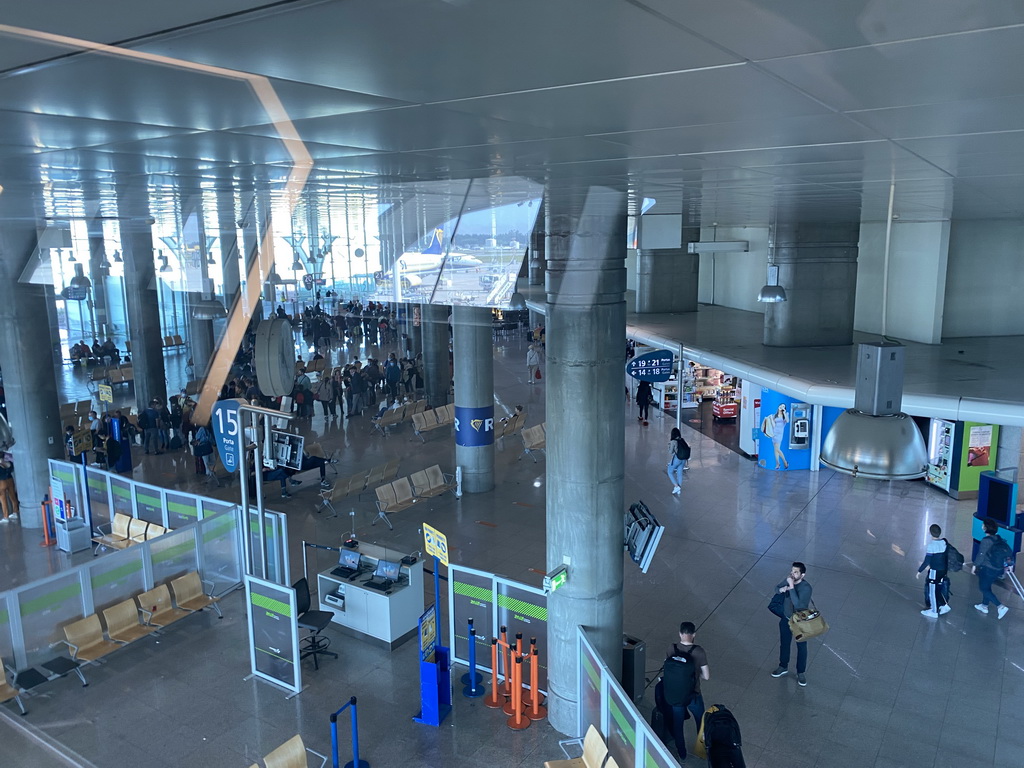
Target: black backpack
<point x="722" y="738"/>
<point x="1000" y="555"/>
<point x="679" y="678"/>
<point x="682" y="449"/>
<point x="954" y="560"/>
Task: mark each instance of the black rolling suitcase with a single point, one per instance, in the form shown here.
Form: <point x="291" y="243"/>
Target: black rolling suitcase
<point x="660" y="725"/>
<point x="722" y="738"/>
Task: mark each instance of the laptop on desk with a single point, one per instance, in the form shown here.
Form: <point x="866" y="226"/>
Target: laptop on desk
<point x="348" y="564"/>
<point x="385" y="576"/>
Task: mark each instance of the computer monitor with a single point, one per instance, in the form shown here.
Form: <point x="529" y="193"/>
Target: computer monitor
<point x="387" y="570"/>
<point x="349" y="559"/>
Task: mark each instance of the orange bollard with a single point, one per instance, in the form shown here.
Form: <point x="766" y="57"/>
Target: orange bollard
<point x="515" y="698"/>
<point x="506" y="663"/>
<point x="495" y="698"/>
<point x="537" y="711"/>
<point x="528" y="693"/>
<point x="517" y="722"/>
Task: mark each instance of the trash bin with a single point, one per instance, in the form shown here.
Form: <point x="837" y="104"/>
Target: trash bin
<point x="634" y="661"/>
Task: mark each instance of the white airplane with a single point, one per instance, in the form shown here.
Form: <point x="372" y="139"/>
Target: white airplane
<point x="412" y="264"/>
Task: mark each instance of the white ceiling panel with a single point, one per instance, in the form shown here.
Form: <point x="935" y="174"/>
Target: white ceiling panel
<point x="692" y="98"/>
<point x="762" y="29"/>
<point x="40" y="131"/>
<point x="780" y="132"/>
<point x="946" y="118"/>
<point x="407" y="129"/>
<point x="412" y="49"/>
<point x="976" y="66"/>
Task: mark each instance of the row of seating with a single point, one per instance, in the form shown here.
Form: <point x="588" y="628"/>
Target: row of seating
<point x="510" y="427"/>
<point x="120" y="375"/>
<point x="403" y="492"/>
<point x="595" y="753"/>
<point x="356" y="484"/>
<point x="433" y="419"/>
<point x="534" y="439"/>
<point x="395" y="416"/>
<point x="173" y="341"/>
<point x="137" y="617"/>
<point x="124" y="531"/>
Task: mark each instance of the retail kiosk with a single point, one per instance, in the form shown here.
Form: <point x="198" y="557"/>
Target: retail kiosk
<point x="386" y="615"/>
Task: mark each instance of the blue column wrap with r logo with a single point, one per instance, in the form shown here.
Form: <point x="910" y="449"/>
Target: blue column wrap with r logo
<point x="474" y="427"/>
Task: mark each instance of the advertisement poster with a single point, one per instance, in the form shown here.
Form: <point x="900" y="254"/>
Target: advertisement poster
<point x="979" y="446"/>
<point x="784" y="432"/>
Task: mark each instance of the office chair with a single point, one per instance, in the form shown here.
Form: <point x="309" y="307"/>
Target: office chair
<point x="314" y="643"/>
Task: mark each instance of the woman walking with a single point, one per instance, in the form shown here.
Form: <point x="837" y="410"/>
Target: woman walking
<point x="678" y="454"/>
<point x="532" y="363"/>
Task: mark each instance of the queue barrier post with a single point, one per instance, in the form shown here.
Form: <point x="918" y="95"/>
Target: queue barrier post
<point x="473" y="687"/>
<point x="355" y="762"/>
<point x="516" y="721"/>
<point x="537" y="711"/>
<point x="472" y="678"/>
<point x="495" y="699"/>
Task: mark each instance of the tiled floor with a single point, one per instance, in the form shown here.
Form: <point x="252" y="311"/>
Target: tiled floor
<point x="887" y="687"/>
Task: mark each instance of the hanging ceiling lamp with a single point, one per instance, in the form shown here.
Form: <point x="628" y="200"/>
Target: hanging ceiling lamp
<point x="874" y="438"/>
<point x="297" y="265"/>
<point x="117" y="257"/>
<point x="164" y="266"/>
<point x="207" y="307"/>
<point x="772" y="292"/>
<point x="71" y="255"/>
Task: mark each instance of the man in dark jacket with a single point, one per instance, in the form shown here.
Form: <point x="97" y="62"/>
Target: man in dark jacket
<point x="798" y="598"/>
<point x="987" y="570"/>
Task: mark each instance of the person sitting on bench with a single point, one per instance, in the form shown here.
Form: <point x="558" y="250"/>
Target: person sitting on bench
<point x="309" y="462"/>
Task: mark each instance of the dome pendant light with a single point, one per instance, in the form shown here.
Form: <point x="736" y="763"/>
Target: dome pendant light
<point x="772" y="292"/>
<point x="874" y="439"/>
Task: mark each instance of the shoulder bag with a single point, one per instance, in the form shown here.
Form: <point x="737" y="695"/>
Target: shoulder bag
<point x="807" y="624"/>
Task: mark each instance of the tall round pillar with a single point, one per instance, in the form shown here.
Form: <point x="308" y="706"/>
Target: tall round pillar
<point x="474" y="397"/>
<point x="586" y="328"/>
<point x="436" y="368"/>
<point x="30" y="383"/>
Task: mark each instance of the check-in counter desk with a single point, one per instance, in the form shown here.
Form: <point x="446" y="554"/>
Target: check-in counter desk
<point x="385" y="618"/>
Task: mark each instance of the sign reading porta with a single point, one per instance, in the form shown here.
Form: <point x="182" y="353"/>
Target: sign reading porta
<point x="474" y="427"/>
<point x="653" y="366"/>
<point x="227" y="431"/>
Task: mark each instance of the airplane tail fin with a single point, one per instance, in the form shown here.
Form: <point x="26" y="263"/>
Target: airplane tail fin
<point x="435" y="248"/>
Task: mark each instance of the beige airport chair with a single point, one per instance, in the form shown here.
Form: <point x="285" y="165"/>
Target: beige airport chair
<point x="157" y="609"/>
<point x="123" y="623"/>
<point x="292" y="754"/>
<point x="189" y="595"/>
<point x="595" y="752"/>
<point x="8" y="692"/>
<point x="85" y="640"/>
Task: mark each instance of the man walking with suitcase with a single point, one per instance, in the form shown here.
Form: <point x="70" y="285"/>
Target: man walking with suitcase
<point x="686" y="664"/>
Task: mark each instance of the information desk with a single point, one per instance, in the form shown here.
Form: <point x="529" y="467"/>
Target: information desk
<point x="387" y="618"/>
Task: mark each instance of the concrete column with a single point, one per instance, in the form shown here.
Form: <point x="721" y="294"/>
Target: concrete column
<point x="586" y="328"/>
<point x="538" y="251"/>
<point x="818" y="268"/>
<point x="666" y="280"/>
<point x="140" y="283"/>
<point x="98" y="275"/>
<point x="202" y="339"/>
<point x="437" y="372"/>
<point x="415" y="325"/>
<point x="30" y="382"/>
<point x="473" y="345"/>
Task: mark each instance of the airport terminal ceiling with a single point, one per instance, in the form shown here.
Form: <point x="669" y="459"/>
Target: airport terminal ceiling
<point x="727" y="112"/>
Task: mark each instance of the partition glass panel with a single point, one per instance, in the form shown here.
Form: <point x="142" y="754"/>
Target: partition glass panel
<point x="99" y="500"/>
<point x="590" y="688"/>
<point x="621" y="728"/>
<point x="523" y="609"/>
<point x="116" y="577"/>
<point x="67" y="476"/>
<point x="6" y="638"/>
<point x="45" y="608"/>
<point x="211" y="507"/>
<point x="147" y="501"/>
<point x="122" y="494"/>
<point x="221" y="551"/>
<point x="173" y="555"/>
<point x="471" y="595"/>
<point x="181" y="509"/>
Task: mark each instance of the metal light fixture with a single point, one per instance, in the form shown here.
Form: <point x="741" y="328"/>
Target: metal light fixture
<point x="874" y="439"/>
<point x="772" y="292"/>
<point x="80" y="280"/>
<point x="297" y="265"/>
<point x="516" y="301"/>
<point x="71" y="255"/>
<point x="117" y="257"/>
<point x="164" y="266"/>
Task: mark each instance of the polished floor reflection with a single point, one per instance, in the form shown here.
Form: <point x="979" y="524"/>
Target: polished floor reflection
<point x="886" y="686"/>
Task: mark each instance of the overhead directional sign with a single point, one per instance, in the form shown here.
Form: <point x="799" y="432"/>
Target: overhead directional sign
<point x="653" y="366"/>
<point x="436" y="543"/>
<point x="227" y="433"/>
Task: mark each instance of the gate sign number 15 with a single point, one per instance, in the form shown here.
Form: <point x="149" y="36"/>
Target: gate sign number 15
<point x="227" y="432"/>
<point x="654" y="366"/>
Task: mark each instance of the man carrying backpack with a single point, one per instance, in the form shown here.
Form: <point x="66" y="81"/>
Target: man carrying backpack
<point x="679" y="690"/>
<point x="990" y="564"/>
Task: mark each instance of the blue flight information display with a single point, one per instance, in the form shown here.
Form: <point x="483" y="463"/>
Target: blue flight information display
<point x="653" y="366"/>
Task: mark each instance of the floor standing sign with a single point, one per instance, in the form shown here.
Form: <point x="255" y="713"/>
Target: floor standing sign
<point x="273" y="634"/>
<point x="435" y="673"/>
